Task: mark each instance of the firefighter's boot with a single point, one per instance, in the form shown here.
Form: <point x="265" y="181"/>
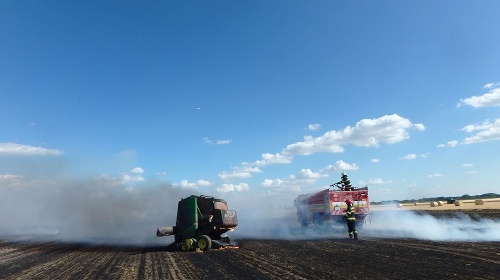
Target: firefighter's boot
<point x="351" y="236"/>
<point x="355" y="235"/>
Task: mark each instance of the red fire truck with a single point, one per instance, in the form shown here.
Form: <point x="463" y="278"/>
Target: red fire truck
<point x="328" y="206"/>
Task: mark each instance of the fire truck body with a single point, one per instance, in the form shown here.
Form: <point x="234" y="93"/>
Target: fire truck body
<point x="329" y="206"/>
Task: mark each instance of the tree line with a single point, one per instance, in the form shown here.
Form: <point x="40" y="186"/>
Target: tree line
<point x="439" y="198"/>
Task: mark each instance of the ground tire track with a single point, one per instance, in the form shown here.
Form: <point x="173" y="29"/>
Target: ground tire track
<point x="59" y="267"/>
<point x="173" y="269"/>
<point x="272" y="265"/>
<point x="454" y="251"/>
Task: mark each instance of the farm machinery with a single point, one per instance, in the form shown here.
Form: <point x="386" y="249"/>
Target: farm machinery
<point x="328" y="206"/>
<point x="202" y="223"/>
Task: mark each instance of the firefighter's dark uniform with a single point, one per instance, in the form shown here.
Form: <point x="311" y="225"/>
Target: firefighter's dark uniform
<point x="351" y="222"/>
<point x="346" y="183"/>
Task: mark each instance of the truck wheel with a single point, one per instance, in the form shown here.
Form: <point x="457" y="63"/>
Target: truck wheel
<point x="318" y="219"/>
<point x="204" y="243"/>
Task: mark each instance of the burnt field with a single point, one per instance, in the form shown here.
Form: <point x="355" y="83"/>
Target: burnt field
<point x="324" y="256"/>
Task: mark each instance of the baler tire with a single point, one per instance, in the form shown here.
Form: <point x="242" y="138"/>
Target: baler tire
<point x="204" y="243"/>
<point x="184" y="247"/>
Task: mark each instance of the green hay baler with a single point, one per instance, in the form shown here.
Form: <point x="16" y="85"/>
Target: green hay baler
<point x="202" y="222"/>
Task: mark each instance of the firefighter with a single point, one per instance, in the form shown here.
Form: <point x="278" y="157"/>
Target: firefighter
<point x="351" y="220"/>
<point x="346" y="183"/>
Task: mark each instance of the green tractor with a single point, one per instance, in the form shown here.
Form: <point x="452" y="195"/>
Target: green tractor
<point x="202" y="223"/>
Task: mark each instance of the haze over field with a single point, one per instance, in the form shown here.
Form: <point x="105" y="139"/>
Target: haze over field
<point x="112" y="111"/>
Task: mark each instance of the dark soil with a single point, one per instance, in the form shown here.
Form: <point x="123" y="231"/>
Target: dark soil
<point x="32" y="257"/>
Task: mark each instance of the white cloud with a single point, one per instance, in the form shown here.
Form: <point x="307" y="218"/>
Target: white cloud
<point x="452" y="143"/>
<point x="378" y="181"/>
<point x="409" y="157"/>
<point x="420" y="126"/>
<point x="293" y="182"/>
<point x="375" y="160"/>
<point x="313" y="127"/>
<point x="242" y="187"/>
<point x="488" y="132"/>
<point x="225" y="188"/>
<point x="137" y="170"/>
<point x="246" y="169"/>
<point x="473" y="127"/>
<point x="268" y="183"/>
<point x="223" y="142"/>
<point x="280" y="185"/>
<point x="388" y="129"/>
<point x="435" y="175"/>
<point x="340" y="165"/>
<point x="217" y="142"/>
<point x="239" y="173"/>
<point x="307" y="174"/>
<point x="10" y="148"/>
<point x="329" y="168"/>
<point x="277" y="158"/>
<point x="185" y="184"/>
<point x="129" y="178"/>
<point x="7" y="177"/>
<point x="490" y="99"/>
<point x="472" y="172"/>
<point x="10" y="181"/>
<point x="490" y="85"/>
<point x="367" y="132"/>
<point x="204" y="183"/>
<point x="467" y="165"/>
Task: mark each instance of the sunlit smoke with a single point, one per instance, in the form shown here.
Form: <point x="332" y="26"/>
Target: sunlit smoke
<point x="104" y="210"/>
<point x="97" y="210"/>
<point x="384" y="224"/>
<point x="458" y="227"/>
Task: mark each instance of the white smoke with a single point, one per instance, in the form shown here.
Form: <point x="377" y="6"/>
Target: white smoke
<point x="106" y="211"/>
<point x="98" y="210"/>
<point x="458" y="227"/>
<point x="383" y="224"/>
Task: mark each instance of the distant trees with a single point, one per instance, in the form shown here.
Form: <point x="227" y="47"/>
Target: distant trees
<point x="439" y="198"/>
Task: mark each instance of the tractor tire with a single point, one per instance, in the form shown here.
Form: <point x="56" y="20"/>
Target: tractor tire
<point x="204" y="243"/>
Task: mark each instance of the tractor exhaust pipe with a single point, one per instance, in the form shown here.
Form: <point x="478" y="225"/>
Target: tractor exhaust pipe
<point x="165" y="231"/>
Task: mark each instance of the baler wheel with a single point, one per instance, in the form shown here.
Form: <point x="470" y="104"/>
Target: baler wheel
<point x="204" y="243"/>
<point x="184" y="247"/>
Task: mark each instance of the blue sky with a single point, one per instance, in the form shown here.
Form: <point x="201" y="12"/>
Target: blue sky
<point x="252" y="99"/>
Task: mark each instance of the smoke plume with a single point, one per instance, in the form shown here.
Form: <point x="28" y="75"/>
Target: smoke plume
<point x="97" y="210"/>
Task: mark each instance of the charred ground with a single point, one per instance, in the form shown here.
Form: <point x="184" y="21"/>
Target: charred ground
<point x="36" y="257"/>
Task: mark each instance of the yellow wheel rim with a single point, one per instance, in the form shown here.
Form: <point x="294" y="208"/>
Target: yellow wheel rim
<point x="202" y="244"/>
